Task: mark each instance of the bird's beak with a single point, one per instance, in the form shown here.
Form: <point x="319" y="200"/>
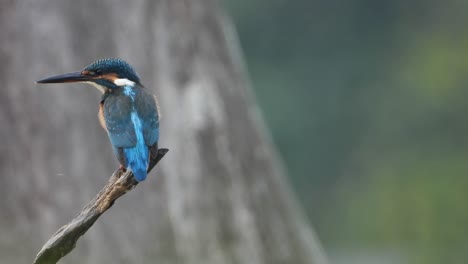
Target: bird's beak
<point x="66" y="78"/>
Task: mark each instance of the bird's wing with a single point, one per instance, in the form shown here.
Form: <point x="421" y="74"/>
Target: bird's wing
<point x="117" y="115"/>
<point x="148" y="112"/>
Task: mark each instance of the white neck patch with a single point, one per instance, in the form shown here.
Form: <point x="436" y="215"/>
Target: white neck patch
<point x="99" y="87"/>
<point x="124" y="82"/>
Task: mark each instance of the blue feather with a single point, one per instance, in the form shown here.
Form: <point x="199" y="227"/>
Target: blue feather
<point x="132" y="123"/>
<point x="137" y="157"/>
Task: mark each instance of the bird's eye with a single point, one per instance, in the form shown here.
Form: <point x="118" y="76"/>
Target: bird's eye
<point x="98" y="71"/>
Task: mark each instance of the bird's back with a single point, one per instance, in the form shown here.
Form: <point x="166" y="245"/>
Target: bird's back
<point x="132" y="122"/>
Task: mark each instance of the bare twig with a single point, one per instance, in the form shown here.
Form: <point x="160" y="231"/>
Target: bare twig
<point x="64" y="240"/>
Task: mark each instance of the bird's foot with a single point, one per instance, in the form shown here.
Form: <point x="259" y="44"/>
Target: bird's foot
<point x="122" y="170"/>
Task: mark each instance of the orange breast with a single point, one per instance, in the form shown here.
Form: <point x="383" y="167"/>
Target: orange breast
<point x="101" y="116"/>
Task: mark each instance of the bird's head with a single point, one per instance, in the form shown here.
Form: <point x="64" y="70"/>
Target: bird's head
<point x="105" y="74"/>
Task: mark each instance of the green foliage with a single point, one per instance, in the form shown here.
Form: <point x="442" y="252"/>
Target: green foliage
<point x="367" y="104"/>
<point x="416" y="200"/>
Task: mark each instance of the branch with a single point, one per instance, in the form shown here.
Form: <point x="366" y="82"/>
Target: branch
<point x="64" y="240"/>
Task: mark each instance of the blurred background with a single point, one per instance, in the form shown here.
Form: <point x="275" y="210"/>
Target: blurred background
<point x="366" y="101"/>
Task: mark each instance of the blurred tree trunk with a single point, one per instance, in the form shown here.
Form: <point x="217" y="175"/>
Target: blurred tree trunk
<point x="219" y="196"/>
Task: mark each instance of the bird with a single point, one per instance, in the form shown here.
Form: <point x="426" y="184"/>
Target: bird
<point x="127" y="111"/>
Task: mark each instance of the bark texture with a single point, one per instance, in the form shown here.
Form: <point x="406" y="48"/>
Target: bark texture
<point x="220" y="195"/>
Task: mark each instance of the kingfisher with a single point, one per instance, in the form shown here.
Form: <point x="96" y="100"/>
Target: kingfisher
<point x="127" y="111"/>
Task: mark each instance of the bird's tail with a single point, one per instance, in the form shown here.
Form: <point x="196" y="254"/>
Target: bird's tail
<point x="139" y="173"/>
<point x="137" y="161"/>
